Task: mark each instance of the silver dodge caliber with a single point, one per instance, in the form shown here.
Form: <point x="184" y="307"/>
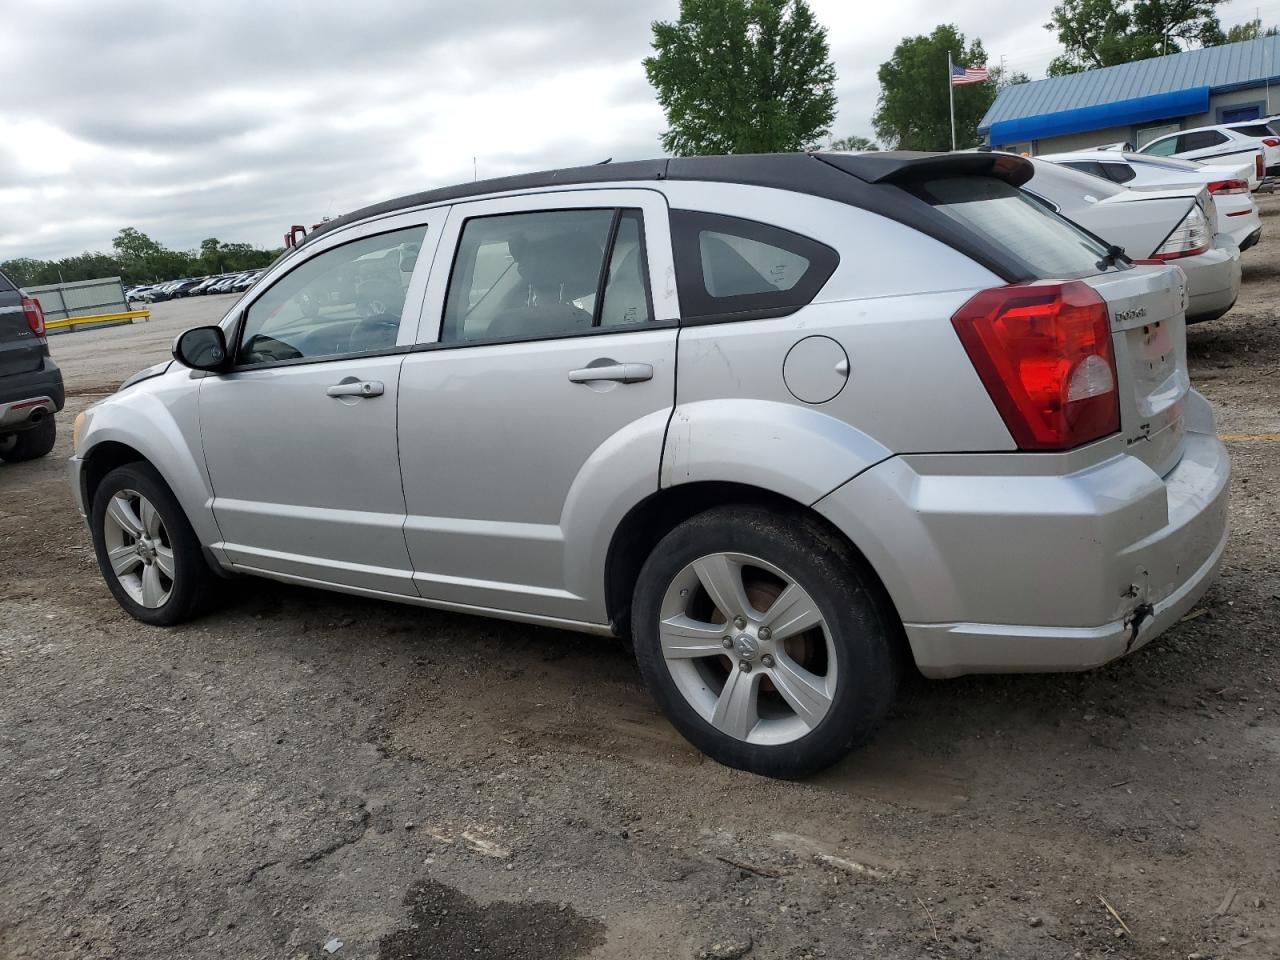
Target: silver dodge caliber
<point x="788" y="423"/>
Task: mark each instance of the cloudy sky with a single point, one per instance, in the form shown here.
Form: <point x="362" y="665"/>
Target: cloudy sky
<point x="239" y="118"/>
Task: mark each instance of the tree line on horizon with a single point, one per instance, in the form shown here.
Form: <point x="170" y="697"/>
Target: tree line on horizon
<point x="137" y="258"/>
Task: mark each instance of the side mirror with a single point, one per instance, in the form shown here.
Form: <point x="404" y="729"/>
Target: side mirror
<point x="201" y="348"/>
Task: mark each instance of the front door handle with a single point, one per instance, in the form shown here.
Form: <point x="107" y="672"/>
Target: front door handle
<point x="617" y="372"/>
<point x="356" y="388"/>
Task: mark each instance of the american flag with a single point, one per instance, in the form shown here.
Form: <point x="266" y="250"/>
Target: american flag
<point x="962" y="75"/>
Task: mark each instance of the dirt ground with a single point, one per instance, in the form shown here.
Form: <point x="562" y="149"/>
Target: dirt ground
<point x="305" y="768"/>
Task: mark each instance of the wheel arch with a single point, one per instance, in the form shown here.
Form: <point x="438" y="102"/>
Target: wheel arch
<point x="658" y="514"/>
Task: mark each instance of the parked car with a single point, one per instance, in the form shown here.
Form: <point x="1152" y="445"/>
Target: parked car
<point x="203" y="286"/>
<point x="31" y="389"/>
<point x="914" y="415"/>
<point x="246" y="281"/>
<point x="1176" y="224"/>
<point x="225" y="284"/>
<point x="1228" y="184"/>
<point x="1219" y="144"/>
<point x="1264" y="130"/>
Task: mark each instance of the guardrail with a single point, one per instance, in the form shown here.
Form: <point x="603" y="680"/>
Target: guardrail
<point x="96" y="321"/>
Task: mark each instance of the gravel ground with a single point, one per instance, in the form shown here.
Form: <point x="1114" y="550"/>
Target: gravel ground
<point x="303" y="769"/>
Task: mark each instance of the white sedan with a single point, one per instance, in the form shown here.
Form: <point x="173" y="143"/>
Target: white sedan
<point x="1176" y="224"/>
<point x="1227" y="183"/>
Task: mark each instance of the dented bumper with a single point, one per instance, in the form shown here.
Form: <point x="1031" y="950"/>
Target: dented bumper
<point x="1045" y="570"/>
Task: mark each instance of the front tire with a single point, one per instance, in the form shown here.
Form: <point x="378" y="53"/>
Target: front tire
<point x="764" y="639"/>
<point x="30" y="444"/>
<point x="148" y="554"/>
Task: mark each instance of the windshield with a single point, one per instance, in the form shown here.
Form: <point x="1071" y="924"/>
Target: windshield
<point x="1053" y="247"/>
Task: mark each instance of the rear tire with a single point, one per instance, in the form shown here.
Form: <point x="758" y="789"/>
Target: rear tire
<point x="797" y="687"/>
<point x="29" y="444"/>
<point x="149" y="556"/>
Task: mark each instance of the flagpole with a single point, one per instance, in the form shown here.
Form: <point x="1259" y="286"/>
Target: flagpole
<point x="951" y="93"/>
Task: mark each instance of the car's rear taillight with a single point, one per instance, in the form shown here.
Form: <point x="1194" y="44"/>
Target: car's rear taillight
<point x="1189" y="238"/>
<point x="35" y="315"/>
<point x="1259" y="165"/>
<point x="1219" y="187"/>
<point x="1271" y="141"/>
<point x="1044" y="353"/>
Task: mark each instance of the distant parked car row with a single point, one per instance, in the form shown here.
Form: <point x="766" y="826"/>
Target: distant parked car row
<point x="194" y="286"/>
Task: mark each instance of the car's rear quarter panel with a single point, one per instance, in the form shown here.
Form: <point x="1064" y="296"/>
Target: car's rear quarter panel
<point x="910" y="387"/>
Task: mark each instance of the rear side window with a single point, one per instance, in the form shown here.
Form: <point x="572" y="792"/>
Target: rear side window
<point x="1118" y="172"/>
<point x="1086" y="166"/>
<point x="1255" y="130"/>
<point x="5" y="285"/>
<point x="728" y="268"/>
<point x="1050" y="245"/>
<point x="1200" y="140"/>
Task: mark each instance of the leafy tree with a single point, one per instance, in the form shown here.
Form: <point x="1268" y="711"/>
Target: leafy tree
<point x="1249" y="30"/>
<point x="853" y="143"/>
<point x="913" y="111"/>
<point x="212" y="258"/>
<point x="742" y="76"/>
<point x="132" y="244"/>
<point x="1103" y="33"/>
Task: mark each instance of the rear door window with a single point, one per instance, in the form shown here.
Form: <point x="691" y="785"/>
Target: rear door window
<point x="1012" y="219"/>
<point x="5" y="285"/>
<point x="1163" y="148"/>
<point x="553" y="273"/>
<point x="1254" y="130"/>
<point x="728" y="268"/>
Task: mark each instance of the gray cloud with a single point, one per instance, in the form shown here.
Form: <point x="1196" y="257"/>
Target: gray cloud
<point x="239" y="119"/>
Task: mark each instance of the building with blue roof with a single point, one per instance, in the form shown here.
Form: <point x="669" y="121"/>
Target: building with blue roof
<point x="1137" y="102"/>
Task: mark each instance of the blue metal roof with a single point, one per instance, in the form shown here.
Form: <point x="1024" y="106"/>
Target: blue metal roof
<point x="1241" y="65"/>
<point x="1157" y="106"/>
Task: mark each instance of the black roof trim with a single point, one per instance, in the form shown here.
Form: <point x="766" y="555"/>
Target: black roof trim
<point x="897" y="166"/>
<point x="596" y="173"/>
<point x="869" y="181"/>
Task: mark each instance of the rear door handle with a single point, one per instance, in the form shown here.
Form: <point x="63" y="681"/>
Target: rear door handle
<point x="356" y="388"/>
<point x="617" y="372"/>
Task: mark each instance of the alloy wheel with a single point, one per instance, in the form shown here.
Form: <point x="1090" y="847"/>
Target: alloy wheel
<point x="139" y="549"/>
<point x="748" y="648"/>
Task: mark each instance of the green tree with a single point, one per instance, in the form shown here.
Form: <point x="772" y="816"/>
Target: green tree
<point x="853" y="143"/>
<point x="1103" y="33"/>
<point x="212" y="257"/>
<point x="132" y="244"/>
<point x="913" y="111"/>
<point x="742" y="76"/>
<point x="1249" y="30"/>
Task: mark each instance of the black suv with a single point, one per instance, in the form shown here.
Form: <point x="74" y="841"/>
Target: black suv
<point x="30" y="382"/>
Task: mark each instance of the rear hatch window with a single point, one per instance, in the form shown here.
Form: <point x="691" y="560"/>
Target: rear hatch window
<point x="1022" y="225"/>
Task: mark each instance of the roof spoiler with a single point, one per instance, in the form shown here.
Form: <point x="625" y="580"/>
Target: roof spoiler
<point x="898" y="166"/>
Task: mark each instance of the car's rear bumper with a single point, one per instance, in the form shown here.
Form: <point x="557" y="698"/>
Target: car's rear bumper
<point x="993" y="570"/>
<point x="27" y="398"/>
<point x="1213" y="280"/>
<point x="1251" y="239"/>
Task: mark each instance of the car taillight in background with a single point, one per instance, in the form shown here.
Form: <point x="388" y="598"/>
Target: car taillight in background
<point x="34" y="314"/>
<point x="1189" y="238"/>
<point x="1271" y="141"/>
<point x="1220" y="187"/>
<point x="1044" y="353"/>
<point x="1259" y="165"/>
